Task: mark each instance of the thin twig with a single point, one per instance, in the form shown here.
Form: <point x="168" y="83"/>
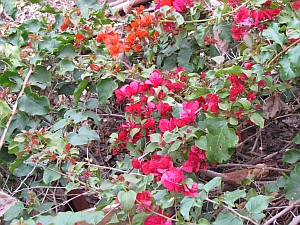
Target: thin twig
<point x="232" y="210"/>
<point x="287" y="209"/>
<point x="113" y="115"/>
<point x="254" y="166"/>
<point x="14" y="110"/>
<point x="23" y="181"/>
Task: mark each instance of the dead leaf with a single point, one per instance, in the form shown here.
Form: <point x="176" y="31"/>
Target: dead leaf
<point x="6" y="201"/>
<point x="274" y="107"/>
<point x="221" y="45"/>
<point x="260" y="172"/>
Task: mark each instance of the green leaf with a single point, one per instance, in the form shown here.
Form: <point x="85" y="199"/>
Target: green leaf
<point x="258" y="203"/>
<point x="228" y="218"/>
<point x="259" y="70"/>
<point x="71" y="186"/>
<point x="257" y="119"/>
<point x="41" y="77"/>
<point x="139" y="218"/>
<point x="178" y="17"/>
<point x="78" y="91"/>
<point x="67" y="50"/>
<point x="44" y="206"/>
<point x="14" y="166"/>
<point x="84" y="135"/>
<point x="184" y="56"/>
<point x="167" y="201"/>
<point x="292" y="186"/>
<point x="225" y="28"/>
<point x="151" y="147"/>
<point x="32" y="25"/>
<point x="92" y="218"/>
<point x="175" y="146"/>
<point x="12" y="80"/>
<point x="51" y="174"/>
<point x="203" y="221"/>
<point x="215" y="182"/>
<point x="272" y="33"/>
<point x="286" y="69"/>
<point x="32" y="104"/>
<point x="86" y="6"/>
<point x="199" y="35"/>
<point x="230" y="70"/>
<point x="105" y="89"/>
<point x="48" y="44"/>
<point x="49" y="9"/>
<point x="219" y="139"/>
<point x="5" y="110"/>
<point x="291" y="156"/>
<point x="14" y="211"/>
<point x="170" y="137"/>
<point x="231" y="196"/>
<point x="245" y="103"/>
<point x="67" y="218"/>
<point x="65" y="65"/>
<point x="10" y="7"/>
<point x="296" y="139"/>
<point x="127" y="199"/>
<point x="185" y="206"/>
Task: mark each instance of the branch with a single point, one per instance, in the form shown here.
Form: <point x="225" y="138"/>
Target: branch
<point x="14" y="110"/>
<point x="286" y="210"/>
<point x="295" y="221"/>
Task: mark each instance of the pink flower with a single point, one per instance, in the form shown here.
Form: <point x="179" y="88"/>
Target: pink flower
<point x="166" y="125"/>
<point x="192" y="192"/>
<point x="242" y="17"/>
<point x="172" y="179"/>
<point x="181" y="5"/>
<point x="155" y="79"/>
<point x="157" y="220"/>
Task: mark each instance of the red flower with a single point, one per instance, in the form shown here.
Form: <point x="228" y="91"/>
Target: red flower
<point x="94" y="67"/>
<point x="150" y="124"/>
<point x="136" y="164"/>
<point x="251" y="96"/>
<point x="172" y="179"/>
<point x="143" y="199"/>
<point x="238" y="32"/>
<point x="296" y="5"/>
<point x="248" y="65"/>
<point x="212" y="103"/>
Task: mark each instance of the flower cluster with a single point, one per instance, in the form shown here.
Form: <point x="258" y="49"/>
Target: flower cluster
<point x="138" y="36"/>
<point x="245" y="19"/>
<point x="172" y="178"/>
<point x="66" y="24"/>
<point x="178" y="5"/>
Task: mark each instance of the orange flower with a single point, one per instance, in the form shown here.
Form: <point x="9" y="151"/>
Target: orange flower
<point x="80" y="37"/>
<point x="94" y="67"/>
<point x="140" y="9"/>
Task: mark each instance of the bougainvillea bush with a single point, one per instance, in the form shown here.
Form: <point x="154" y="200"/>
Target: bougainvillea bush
<point x="188" y="76"/>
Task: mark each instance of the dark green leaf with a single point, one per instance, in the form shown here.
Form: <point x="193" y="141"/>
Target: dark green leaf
<point x="184" y="56"/>
<point x="5" y="110"/>
<point x="139" y="218"/>
<point x="87" y="5"/>
<point x="41" y="77"/>
<point x="67" y="50"/>
<point x="225" y="28"/>
<point x="12" y="80"/>
<point x="292" y="186"/>
<point x="294" y="56"/>
<point x="48" y="44"/>
<point x="219" y="139"/>
<point x="32" y="104"/>
<point x="199" y="35"/>
<point x="49" y="9"/>
<point x="32" y="25"/>
<point x="80" y="88"/>
<point x="105" y="89"/>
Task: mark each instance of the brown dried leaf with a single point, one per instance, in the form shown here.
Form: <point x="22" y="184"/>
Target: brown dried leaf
<point x="221" y="45"/>
<point x="6" y="201"/>
<point x="273" y="107"/>
<point x="259" y="173"/>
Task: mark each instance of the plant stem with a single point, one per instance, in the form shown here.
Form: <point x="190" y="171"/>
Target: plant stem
<point x="284" y="50"/>
<point x="14" y="110"/>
